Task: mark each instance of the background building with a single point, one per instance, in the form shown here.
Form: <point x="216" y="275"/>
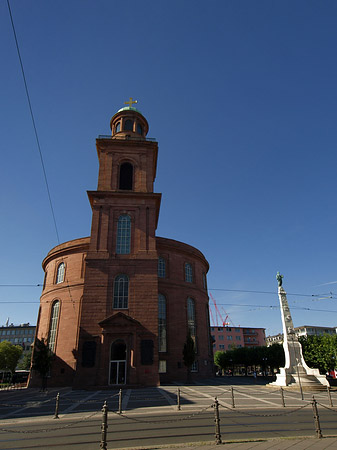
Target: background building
<point x="226" y="338"/>
<point x="22" y="334"/>
<point x="117" y="306"/>
<point x="304" y="330"/>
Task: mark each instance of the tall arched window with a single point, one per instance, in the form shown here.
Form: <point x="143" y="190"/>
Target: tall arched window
<point x="60" y="273"/>
<point x="139" y="129"/>
<point x="162" y="347"/>
<point x="123" y="244"/>
<point x="188" y="273"/>
<point x="53" y="325"/>
<point x="128" y="125"/>
<point x="191" y="319"/>
<point x="126" y="176"/>
<point x="121" y="292"/>
<point x="118" y="127"/>
<point x="161" y="267"/>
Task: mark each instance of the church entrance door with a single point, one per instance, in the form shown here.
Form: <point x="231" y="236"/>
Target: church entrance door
<point x="117" y="369"/>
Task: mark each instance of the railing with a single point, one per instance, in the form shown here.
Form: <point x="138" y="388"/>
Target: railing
<point x="126" y="138"/>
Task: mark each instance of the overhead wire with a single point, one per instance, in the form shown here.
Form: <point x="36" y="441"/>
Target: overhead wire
<point x="35" y="130"/>
<point x="33" y="120"/>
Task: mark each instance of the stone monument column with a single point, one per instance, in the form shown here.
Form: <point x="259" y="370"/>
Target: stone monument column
<point x="295" y="372"/>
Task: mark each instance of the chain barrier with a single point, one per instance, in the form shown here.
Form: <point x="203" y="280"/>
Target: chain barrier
<point x="265" y="415"/>
<point x="48" y="430"/>
<point x="327" y="407"/>
<point x="164" y="421"/>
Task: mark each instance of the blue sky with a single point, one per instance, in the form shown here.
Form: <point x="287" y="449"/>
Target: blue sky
<point x="241" y="96"/>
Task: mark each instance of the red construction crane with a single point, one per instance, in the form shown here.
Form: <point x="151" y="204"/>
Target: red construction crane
<point x="217" y="314"/>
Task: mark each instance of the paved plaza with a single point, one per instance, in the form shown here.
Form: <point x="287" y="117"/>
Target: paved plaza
<point x="252" y="416"/>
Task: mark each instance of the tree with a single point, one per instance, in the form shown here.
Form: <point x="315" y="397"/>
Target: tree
<point x="275" y="355"/>
<point x="42" y="359"/>
<point x="319" y="351"/>
<point x="25" y="362"/>
<point x="9" y="356"/>
<point x="223" y="360"/>
<point x="189" y="354"/>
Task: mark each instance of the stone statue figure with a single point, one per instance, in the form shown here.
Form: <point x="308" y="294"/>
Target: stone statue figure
<point x="279" y="278"/>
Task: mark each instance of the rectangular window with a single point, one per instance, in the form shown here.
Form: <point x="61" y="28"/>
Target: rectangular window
<point x="237" y="330"/>
<point x="162" y="366"/>
<point x="161" y="267"/>
<point x="194" y="367"/>
<point x="228" y="329"/>
<point x="204" y="282"/>
<point x="221" y="337"/>
<point x="146" y="352"/>
<point x="188" y="273"/>
<point x="221" y="346"/>
<point x="123" y="246"/>
<point x="161" y="323"/>
<point x="238" y="338"/>
<point x="220" y="329"/>
<point x="229" y="338"/>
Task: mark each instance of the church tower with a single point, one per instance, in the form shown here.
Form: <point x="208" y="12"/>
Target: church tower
<point x="121" y="280"/>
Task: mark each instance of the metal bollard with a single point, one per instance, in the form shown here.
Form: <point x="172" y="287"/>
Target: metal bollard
<point x="104" y="427"/>
<point x="217" y="422"/>
<point x="232" y="392"/>
<point x="178" y="400"/>
<point x="56" y="415"/>
<point x="329" y="396"/>
<point x="316" y="418"/>
<point x="120" y="402"/>
<point x="282" y="398"/>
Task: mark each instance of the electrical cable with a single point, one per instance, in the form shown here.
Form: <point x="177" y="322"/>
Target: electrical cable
<point x="33" y="120"/>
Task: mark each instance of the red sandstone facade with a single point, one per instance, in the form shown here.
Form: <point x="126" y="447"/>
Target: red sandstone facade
<point x="117" y="306"/>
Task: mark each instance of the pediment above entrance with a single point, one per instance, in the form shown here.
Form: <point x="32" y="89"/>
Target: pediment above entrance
<point x="120" y="320"/>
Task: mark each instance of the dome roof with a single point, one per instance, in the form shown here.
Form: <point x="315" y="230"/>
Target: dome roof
<point x="129" y="108"/>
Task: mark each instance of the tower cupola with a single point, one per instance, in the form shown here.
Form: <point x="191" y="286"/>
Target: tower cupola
<point x="128" y="122"/>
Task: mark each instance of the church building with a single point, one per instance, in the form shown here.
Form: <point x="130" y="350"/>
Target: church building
<point x="117" y="306"/>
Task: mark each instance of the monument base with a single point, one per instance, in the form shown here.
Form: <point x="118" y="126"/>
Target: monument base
<point x="301" y="379"/>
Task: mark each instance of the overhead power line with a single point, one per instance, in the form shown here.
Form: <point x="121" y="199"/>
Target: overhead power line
<point x="33" y="120"/>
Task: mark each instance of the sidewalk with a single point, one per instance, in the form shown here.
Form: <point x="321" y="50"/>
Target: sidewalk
<point x="304" y="443"/>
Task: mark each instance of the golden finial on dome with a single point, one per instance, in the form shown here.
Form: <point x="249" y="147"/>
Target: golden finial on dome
<point x="130" y="102"/>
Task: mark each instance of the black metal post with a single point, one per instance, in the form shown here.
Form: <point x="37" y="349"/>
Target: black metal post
<point x="329" y="396"/>
<point x="316" y="418"/>
<point x="178" y="400"/>
<point x="120" y="402"/>
<point x="282" y="397"/>
<point x="56" y="415"/>
<point x="232" y="393"/>
<point x="104" y="427"/>
<point x="217" y="422"/>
